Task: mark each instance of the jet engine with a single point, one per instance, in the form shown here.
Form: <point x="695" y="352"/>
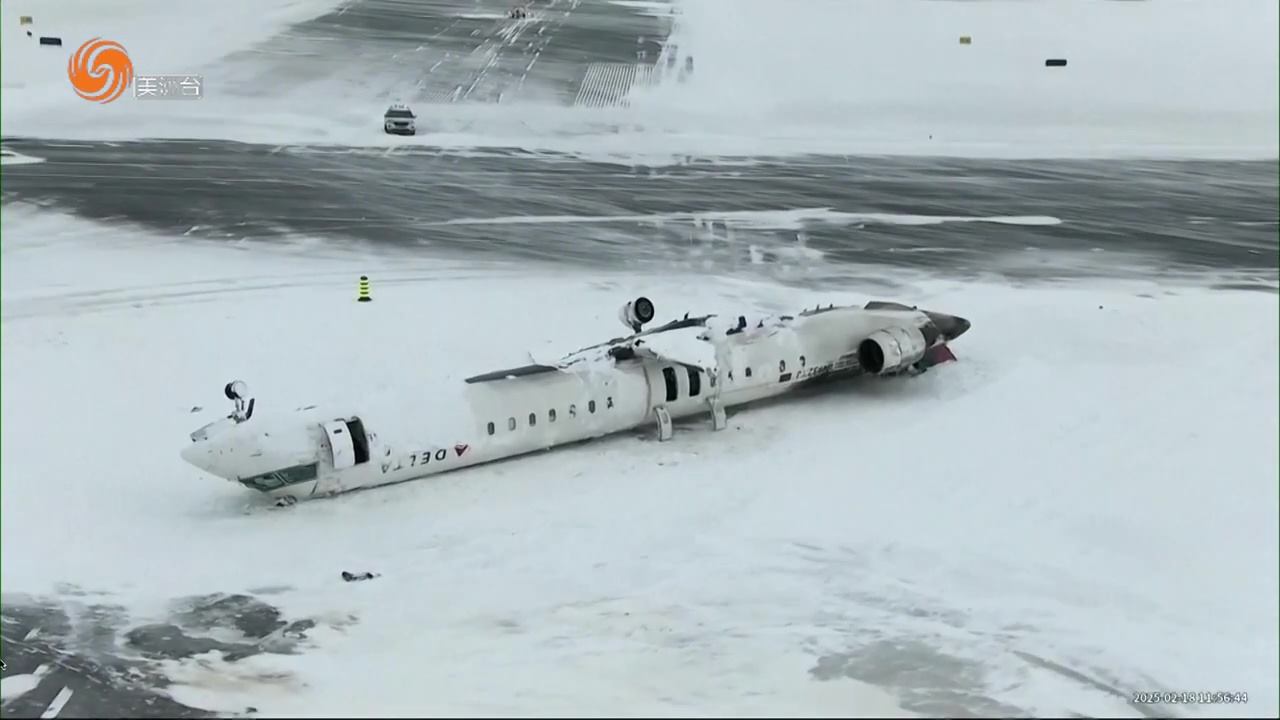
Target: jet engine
<point x="892" y="350"/>
<point x="636" y="313"/>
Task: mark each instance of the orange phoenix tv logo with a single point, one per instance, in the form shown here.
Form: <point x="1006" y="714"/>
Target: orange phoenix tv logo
<point x="100" y="70"/>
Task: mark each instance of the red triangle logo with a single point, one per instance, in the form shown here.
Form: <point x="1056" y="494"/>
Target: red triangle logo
<point x="460" y="448"/>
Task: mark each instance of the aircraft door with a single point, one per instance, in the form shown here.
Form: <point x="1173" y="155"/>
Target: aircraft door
<point x="341" y="444"/>
<point x="670" y="384"/>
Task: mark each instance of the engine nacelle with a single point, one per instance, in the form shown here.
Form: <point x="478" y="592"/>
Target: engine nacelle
<point x="892" y="350"/>
<point x="636" y="313"/>
<point x="236" y="390"/>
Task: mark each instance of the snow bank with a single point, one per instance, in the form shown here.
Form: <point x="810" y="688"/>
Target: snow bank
<point x="1084" y="487"/>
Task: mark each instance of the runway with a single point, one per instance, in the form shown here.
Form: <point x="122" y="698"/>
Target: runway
<point x="804" y="219"/>
<point x="446" y="51"/>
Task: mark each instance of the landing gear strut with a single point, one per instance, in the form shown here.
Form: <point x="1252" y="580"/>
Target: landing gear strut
<point x="237" y="392"/>
<point x="665" y="430"/>
<point x="719" y="420"/>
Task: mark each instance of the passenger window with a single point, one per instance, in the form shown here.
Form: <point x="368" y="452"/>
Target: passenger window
<point x="551" y="414"/>
<point x="695" y="382"/>
<point x="669" y="375"/>
<point x="608" y="402"/>
<point x="573" y="411"/>
<point x="491" y="428"/>
<point x="591" y="406"/>
<point x="748" y="372"/>
<point x="511" y="423"/>
<point x="533" y="419"/>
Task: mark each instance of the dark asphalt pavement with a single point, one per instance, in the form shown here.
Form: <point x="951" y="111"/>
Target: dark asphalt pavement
<point x="1117" y="217"/>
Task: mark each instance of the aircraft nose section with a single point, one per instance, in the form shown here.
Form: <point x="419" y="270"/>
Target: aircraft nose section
<point x="205" y="455"/>
<point x="952" y="326"/>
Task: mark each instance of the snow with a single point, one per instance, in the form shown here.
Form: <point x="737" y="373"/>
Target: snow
<point x="1169" y="78"/>
<point x="1162" y="77"/>
<point x="790" y="219"/>
<point x="650" y="7"/>
<point x="161" y="37"/>
<point x="1091" y="486"/>
<point x="12" y="686"/>
<point x="9" y="157"/>
<point x="687" y="346"/>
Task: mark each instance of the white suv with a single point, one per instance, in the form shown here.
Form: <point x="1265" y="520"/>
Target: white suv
<point x="399" y="120"/>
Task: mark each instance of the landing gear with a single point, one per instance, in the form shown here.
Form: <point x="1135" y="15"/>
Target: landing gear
<point x="719" y="420"/>
<point x="237" y="392"/>
<point x="286" y="501"/>
<point x="665" y="431"/>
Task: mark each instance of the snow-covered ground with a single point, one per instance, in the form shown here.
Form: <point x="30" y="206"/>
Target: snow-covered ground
<point x="1163" y="77"/>
<point x="1093" y="486"/>
<point x="1188" y="78"/>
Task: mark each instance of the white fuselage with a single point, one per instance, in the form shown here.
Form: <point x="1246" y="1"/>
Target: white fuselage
<point x="502" y="417"/>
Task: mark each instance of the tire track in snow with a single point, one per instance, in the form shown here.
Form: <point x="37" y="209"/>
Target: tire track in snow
<point x="205" y="290"/>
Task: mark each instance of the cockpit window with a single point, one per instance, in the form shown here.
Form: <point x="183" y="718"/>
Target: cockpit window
<point x="282" y="477"/>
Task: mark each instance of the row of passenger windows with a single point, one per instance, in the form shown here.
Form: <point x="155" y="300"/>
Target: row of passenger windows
<point x="551" y="415"/>
<point x="673" y="393"/>
<point x="782" y="369"/>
